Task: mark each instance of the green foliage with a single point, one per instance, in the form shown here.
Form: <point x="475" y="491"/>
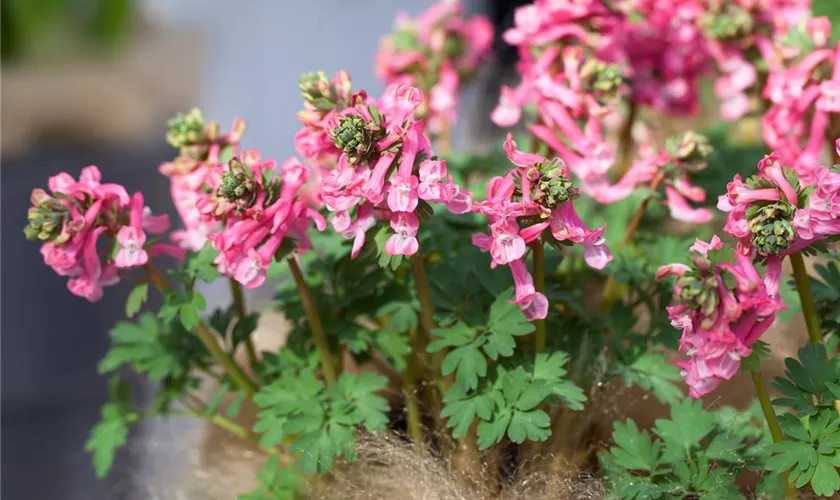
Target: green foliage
<point x="805" y="386"/>
<point x="694" y="454"/>
<point x="321" y="419"/>
<point x="136" y="299"/>
<point x="507" y="402"/>
<point x="276" y="482"/>
<point x="496" y="339"/>
<point x="809" y="453"/>
<point x="111" y="432"/>
<point x="826" y="293"/>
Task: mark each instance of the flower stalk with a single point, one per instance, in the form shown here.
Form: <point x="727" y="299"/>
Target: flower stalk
<point x="772" y="424"/>
<point x="809" y="308"/>
<point x="209" y="340"/>
<point x="318" y="334"/>
<point x="241" y="311"/>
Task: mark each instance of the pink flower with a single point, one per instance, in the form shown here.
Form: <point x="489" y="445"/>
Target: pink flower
<point x="722" y="309"/>
<point x="402" y="196"/>
<point x="404" y="241"/>
<point x="532" y="303"/>
<point x="131" y="238"/>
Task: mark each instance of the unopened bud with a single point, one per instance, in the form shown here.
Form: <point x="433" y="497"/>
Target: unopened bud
<point x="772" y="228"/>
<point x="317" y="90"/>
<point x="186" y="130"/>
<point x="553" y="187"/>
<point x="353" y="136"/>
<point x="48" y="222"/>
<point x="691" y="148"/>
<point x="730" y="22"/>
<point x="602" y="78"/>
<point x="238" y="185"/>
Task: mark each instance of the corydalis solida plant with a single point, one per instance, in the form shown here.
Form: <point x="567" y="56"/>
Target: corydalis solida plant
<point x="508" y="356"/>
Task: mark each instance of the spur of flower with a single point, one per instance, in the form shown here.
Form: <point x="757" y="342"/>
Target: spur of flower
<point x="532" y="201"/>
<point x="260" y="213"/>
<point x="90" y="230"/>
<point x="722" y="306"/>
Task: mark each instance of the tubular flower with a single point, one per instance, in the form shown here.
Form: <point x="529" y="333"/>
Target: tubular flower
<point x="437" y="51"/>
<point x="805" y="98"/>
<point x="385" y="170"/>
<point x="261" y="212"/>
<point x="535" y="199"/>
<point x="196" y="172"/>
<point x="69" y="222"/>
<point x="722" y="306"/>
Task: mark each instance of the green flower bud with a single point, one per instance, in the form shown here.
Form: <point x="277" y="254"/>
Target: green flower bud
<point x="691" y="148"/>
<point x="772" y="228"/>
<point x="238" y="185"/>
<point x="317" y="91"/>
<point x="605" y="79"/>
<point x="185" y="130"/>
<point x="699" y="294"/>
<point x="354" y="137"/>
<point x="730" y="22"/>
<point x="48" y="222"/>
<point x="553" y="187"/>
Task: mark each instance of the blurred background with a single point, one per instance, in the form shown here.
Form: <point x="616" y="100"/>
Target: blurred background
<point x="92" y="82"/>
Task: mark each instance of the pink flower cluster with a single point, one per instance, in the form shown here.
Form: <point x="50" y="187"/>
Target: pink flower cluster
<point x="534" y="198"/>
<point x="722" y="308"/>
<point x="196" y="172"/>
<point x="435" y="52"/>
<point x="71" y="220"/>
<point x="805" y="101"/>
<point x="673" y="165"/>
<point x="260" y="211"/>
<point x="385" y="170"/>
<point x="564" y="100"/>
<point x="773" y="215"/>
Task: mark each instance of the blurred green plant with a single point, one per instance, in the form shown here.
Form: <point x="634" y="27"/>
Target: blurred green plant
<point x="38" y="29"/>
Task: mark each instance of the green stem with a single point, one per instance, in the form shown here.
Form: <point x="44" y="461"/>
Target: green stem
<point x="539" y="285"/>
<point x="318" y="334"/>
<point x="200" y="411"/>
<point x="772" y="423"/>
<point x="803" y="286"/>
<point x="625" y="141"/>
<point x="241" y="312"/>
<point x="413" y="417"/>
<point x="206" y="336"/>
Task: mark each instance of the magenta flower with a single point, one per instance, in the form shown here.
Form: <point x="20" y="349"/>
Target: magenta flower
<point x="722" y="308"/>
<point x="260" y="209"/>
<point x="534" y="200"/>
<point x="435" y="52"/>
<point x="197" y="171"/>
<point x="70" y="222"/>
<point x="772" y="215"/>
<point x="386" y="167"/>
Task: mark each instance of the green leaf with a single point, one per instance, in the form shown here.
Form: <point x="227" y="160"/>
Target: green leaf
<point x="468" y="364"/>
<point x="493" y="431"/>
<point x="152" y="348"/>
<point x="461" y="412"/>
<point x="651" y="372"/>
<point x="688" y="425"/>
<point x="318" y="449"/>
<point x="752" y="363"/>
<point x="550" y="369"/>
<point x="189" y="316"/>
<point x="456" y="335"/>
<point x="136" y="299"/>
<point x="236" y="404"/>
<point x="369" y="408"/>
<point x="634" y="450"/>
<point x="533" y="425"/>
<point x="825" y="480"/>
<point x="276" y="483"/>
<point x="108" y="435"/>
<point x="508" y="318"/>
